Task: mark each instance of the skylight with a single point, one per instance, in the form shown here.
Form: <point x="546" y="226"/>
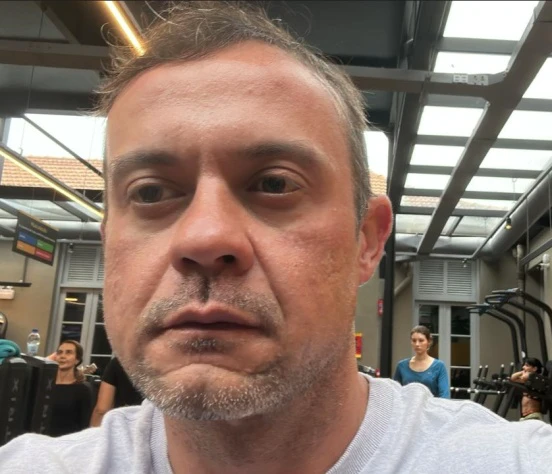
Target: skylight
<point x="467" y="63"/>
<point x="501" y="185"/>
<point x="504" y="158"/>
<point x="436" y="155"/>
<point x="448" y="121"/>
<point x="426" y="181"/>
<point x="505" y="20"/>
<point x="529" y="125"/>
<point x="541" y="87"/>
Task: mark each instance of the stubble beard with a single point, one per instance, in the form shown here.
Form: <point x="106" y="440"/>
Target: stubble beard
<point x="268" y="391"/>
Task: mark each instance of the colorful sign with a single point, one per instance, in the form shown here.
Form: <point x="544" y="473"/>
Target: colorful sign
<point x="34" y="239"/>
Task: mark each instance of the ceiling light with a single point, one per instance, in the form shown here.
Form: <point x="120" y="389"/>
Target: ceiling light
<point x="125" y="25"/>
<point x="52" y="182"/>
<point x="508" y="224"/>
<point x="71" y="299"/>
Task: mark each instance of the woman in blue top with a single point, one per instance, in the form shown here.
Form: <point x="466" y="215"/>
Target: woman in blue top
<point x="422" y="368"/>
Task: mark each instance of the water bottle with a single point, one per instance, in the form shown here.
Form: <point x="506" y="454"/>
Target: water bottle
<point x="33" y="341"/>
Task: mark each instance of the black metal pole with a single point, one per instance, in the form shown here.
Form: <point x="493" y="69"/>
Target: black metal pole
<point x="386" y="341"/>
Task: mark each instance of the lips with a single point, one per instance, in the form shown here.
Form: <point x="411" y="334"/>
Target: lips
<point x="212" y="317"/>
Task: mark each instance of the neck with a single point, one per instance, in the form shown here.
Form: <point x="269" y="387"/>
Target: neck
<point x="421" y="357"/>
<point x="310" y="435"/>
<point x="65" y="377"/>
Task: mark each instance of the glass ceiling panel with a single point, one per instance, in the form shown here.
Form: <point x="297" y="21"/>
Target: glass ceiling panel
<point x="541" y="87"/>
<point x="426" y="181"/>
<point x="476" y="226"/>
<point x="45" y="210"/>
<point x="412" y="223"/>
<point x="503" y="158"/>
<point x="490" y="204"/>
<point x="449" y="226"/>
<point x="470" y="63"/>
<point x="501" y="185"/>
<point x="436" y="155"/>
<point x="448" y="121"/>
<point x="504" y="20"/>
<point x="419" y="201"/>
<point x="528" y="125"/>
<point x="84" y="135"/>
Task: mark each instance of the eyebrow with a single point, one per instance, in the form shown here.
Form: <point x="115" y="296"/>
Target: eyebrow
<point x="300" y="152"/>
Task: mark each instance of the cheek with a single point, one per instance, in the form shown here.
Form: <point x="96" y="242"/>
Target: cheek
<point x="134" y="267"/>
<point x="314" y="280"/>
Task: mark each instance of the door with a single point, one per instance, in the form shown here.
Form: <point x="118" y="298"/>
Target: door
<point x="452" y="328"/>
<point x="81" y="319"/>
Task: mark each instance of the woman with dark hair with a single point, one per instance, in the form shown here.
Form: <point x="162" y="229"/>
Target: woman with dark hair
<point x="72" y="398"/>
<point x="422" y="368"/>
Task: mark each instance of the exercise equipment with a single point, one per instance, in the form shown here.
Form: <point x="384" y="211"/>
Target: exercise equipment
<point x="13" y="384"/>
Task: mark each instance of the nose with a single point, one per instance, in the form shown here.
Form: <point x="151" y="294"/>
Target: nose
<point x="211" y="236"/>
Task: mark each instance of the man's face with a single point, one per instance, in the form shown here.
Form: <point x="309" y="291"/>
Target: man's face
<point x="231" y="248"/>
<point x="529" y="368"/>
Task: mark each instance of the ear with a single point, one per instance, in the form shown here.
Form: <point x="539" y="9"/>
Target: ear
<point x="374" y="232"/>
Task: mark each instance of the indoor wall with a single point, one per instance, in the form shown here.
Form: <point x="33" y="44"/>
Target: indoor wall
<point x="31" y="307"/>
<point x="367" y="320"/>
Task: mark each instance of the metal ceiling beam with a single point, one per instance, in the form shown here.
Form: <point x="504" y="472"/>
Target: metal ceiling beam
<point x="422" y="80"/>
<point x="47" y="194"/>
<point x="427" y="211"/>
<point x="8" y="208"/>
<point x="6" y="231"/>
<point x="18" y="102"/>
<point x="537" y="105"/>
<point x="495" y="196"/>
<point x="48" y="54"/>
<point x="486" y="172"/>
<point x="68" y="33"/>
<point x="429" y="28"/>
<point x="476" y="46"/>
<point x="510" y="143"/>
<point x="531" y="52"/>
<point x="67" y="206"/>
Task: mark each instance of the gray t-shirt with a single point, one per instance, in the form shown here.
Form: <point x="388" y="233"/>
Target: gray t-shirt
<point x="405" y="429"/>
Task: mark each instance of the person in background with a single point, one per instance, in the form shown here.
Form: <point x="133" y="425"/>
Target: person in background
<point x="422" y="368"/>
<point x="116" y="391"/>
<point x="531" y="407"/>
<point x="72" y="398"/>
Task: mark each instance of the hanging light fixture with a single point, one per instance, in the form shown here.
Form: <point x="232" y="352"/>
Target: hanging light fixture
<point x="508" y="224"/>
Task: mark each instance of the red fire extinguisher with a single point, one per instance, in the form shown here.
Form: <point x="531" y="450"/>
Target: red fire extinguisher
<point x="380" y="307"/>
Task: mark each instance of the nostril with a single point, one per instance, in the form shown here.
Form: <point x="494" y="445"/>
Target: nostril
<point x="228" y="259"/>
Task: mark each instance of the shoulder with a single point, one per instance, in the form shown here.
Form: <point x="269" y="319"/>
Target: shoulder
<point x="463" y="435"/>
<point x="439" y="364"/>
<point x="124" y="430"/>
<point x="404" y="362"/>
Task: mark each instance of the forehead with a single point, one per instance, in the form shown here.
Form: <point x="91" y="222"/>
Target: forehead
<point x="67" y="348"/>
<point x="250" y="85"/>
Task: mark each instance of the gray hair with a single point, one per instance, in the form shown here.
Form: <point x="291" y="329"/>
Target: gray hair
<point x="192" y="30"/>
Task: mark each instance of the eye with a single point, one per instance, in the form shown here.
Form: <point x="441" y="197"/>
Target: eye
<point x="152" y="193"/>
<point x="274" y="184"/>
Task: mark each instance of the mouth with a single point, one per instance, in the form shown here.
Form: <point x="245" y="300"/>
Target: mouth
<point x="212" y="318"/>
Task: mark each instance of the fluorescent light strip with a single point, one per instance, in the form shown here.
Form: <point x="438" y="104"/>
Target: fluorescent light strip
<point x="125" y="26"/>
<point x="60" y="189"/>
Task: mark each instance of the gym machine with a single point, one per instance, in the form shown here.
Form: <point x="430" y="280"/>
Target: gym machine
<point x="26" y="386"/>
<point x="509" y="297"/>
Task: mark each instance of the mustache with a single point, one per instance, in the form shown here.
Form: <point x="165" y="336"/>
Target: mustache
<point x="265" y="309"/>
